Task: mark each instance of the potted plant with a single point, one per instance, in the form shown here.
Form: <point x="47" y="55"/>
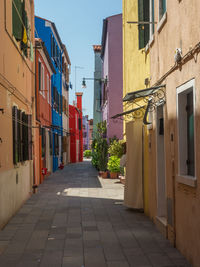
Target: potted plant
<point x="100" y="150"/>
<point x="114" y="166"/>
<point x="116" y="148"/>
<point x="87" y="154"/>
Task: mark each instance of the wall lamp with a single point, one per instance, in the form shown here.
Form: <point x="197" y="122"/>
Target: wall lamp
<point x="105" y="81"/>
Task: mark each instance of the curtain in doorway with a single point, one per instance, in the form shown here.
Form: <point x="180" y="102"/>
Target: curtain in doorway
<point x="133" y="195"/>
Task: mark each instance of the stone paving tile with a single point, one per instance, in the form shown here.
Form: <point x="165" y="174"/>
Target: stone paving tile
<point x="76" y="261"/>
<point x="94" y="257"/>
<point x="78" y="220"/>
<point x="118" y="264"/>
<point x="52" y="259"/>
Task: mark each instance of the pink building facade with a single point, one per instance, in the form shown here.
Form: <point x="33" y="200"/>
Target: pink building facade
<point x="112" y="87"/>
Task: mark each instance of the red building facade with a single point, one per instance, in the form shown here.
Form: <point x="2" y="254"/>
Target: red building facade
<point x="43" y="147"/>
<point x="76" y="130"/>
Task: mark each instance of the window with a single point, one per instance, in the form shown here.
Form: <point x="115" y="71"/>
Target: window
<point x="60" y="104"/>
<point x="162" y="8"/>
<point x="48" y="87"/>
<point x="104" y="93"/>
<point x="143" y="29"/>
<point x="186" y="137"/>
<point x="50" y="143"/>
<point x="39" y="75"/>
<point x="43" y="142"/>
<point x="79" y="124"/>
<point x="17" y="28"/>
<point x="43" y="81"/>
<point x="56" y="144"/>
<point x="20" y="25"/>
<point x="151" y="17"/>
<point x="22" y="136"/>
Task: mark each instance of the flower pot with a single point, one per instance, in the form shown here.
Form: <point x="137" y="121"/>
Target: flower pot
<point x="104" y="175"/>
<point x="113" y="175"/>
<point x="122" y="179"/>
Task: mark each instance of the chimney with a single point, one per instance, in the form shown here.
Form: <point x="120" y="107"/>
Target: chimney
<point x="79" y="100"/>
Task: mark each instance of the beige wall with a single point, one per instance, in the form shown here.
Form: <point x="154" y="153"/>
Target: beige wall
<point x="16" y="88"/>
<point x="179" y="31"/>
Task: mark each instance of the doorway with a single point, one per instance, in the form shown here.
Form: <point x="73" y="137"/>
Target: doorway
<point x="160" y="166"/>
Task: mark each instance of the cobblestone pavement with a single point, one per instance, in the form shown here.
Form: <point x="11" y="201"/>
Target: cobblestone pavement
<point x="78" y="220"/>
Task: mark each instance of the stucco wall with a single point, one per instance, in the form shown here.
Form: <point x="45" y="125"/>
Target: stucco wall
<point x="17" y="88"/>
<point x="97" y="90"/>
<point x="112" y="68"/>
<point x="179" y="31"/>
<point x="136" y="68"/>
<point x="15" y="188"/>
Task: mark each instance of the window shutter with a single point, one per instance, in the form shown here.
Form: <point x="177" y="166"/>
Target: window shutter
<point x="20" y="137"/>
<point x="43" y="141"/>
<point x="24" y="45"/>
<point x="29" y="137"/>
<point x="146" y="18"/>
<point x="141" y="26"/>
<point x="143" y="29"/>
<point x="16" y="19"/>
<point x="25" y="136"/>
<point x="15" y="135"/>
<point x="50" y="142"/>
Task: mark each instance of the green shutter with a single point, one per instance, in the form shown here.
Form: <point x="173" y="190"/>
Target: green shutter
<point x="20" y="137"/>
<point x="29" y="137"/>
<point x="16" y="19"/>
<point x="24" y="46"/>
<point x="146" y="18"/>
<point x="140" y="26"/>
<point x="15" y="135"/>
<point x="25" y="136"/>
<point x="143" y="29"/>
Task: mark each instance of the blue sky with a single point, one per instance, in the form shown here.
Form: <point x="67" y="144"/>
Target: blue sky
<point x="79" y="23"/>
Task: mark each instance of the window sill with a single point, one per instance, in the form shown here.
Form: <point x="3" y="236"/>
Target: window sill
<point x="187" y="180"/>
<point x="162" y="22"/>
<point x="151" y="40"/>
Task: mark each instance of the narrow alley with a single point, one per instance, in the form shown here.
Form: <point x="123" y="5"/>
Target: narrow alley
<point x="78" y="220"/>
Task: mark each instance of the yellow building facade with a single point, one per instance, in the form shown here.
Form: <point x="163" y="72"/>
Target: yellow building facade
<point x="136" y="76"/>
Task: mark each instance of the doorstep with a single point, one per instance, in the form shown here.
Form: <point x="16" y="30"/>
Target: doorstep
<point x="161" y="224"/>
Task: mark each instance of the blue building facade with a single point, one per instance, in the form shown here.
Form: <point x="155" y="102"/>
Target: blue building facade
<point x="46" y="30"/>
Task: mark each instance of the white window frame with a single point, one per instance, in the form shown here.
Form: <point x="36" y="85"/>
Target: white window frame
<point x="182" y="176"/>
<point x="50" y="91"/>
<point x="151" y="19"/>
<point x="161" y="20"/>
<point x="47" y="81"/>
<point x="43" y="81"/>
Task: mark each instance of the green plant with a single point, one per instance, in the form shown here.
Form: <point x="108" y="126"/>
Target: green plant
<point x="87" y="153"/>
<point x="95" y="159"/>
<point x="114" y="164"/>
<point x="116" y="148"/>
<point x="100" y="148"/>
<point x="102" y="151"/>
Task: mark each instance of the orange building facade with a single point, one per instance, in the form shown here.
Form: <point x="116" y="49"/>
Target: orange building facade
<point x="17" y="84"/>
